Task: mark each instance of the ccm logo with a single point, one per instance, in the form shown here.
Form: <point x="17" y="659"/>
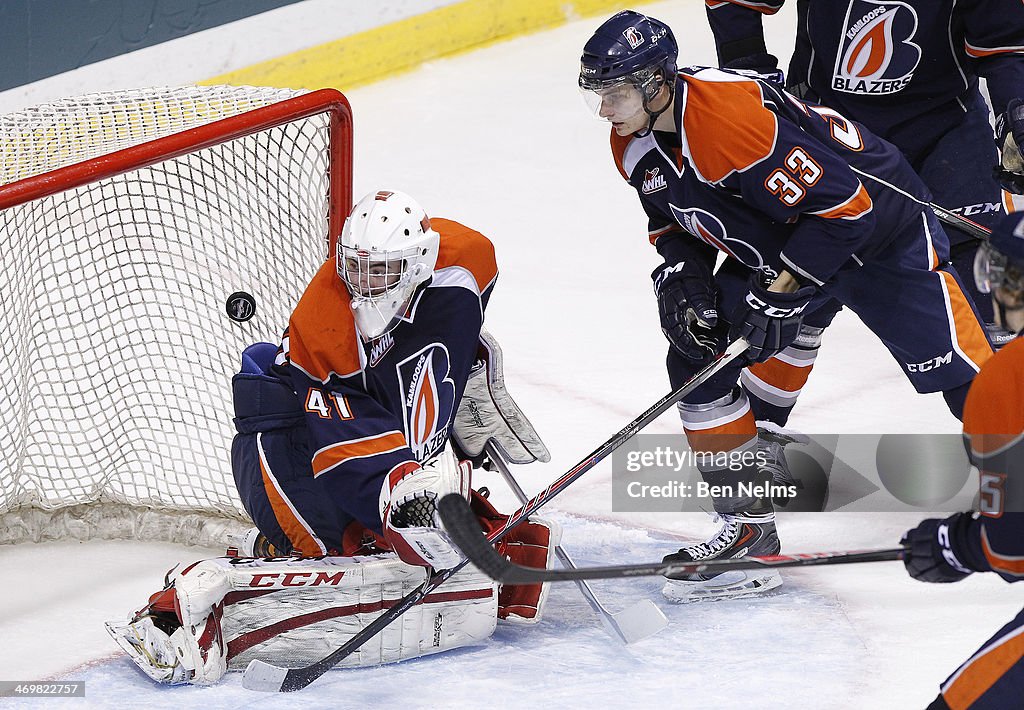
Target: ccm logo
<point x="296" y="579"/>
<point x="934" y="363"/>
<point x="774" y="311"/>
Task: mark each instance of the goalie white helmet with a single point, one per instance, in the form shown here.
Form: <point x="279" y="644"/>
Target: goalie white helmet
<point x="386" y="250"/>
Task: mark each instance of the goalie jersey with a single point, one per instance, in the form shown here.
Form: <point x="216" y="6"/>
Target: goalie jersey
<point x="333" y="415"/>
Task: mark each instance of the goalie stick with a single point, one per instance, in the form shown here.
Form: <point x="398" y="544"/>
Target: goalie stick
<point x="266" y="677"/>
<point x="461" y="524"/>
<point x="629" y="625"/>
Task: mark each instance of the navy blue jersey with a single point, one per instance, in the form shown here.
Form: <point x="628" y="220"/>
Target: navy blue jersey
<point x="370" y="407"/>
<point x="772" y="181"/>
<point x="891" y="63"/>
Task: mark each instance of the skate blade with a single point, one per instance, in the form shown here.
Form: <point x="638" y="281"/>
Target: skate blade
<point x="728" y="585"/>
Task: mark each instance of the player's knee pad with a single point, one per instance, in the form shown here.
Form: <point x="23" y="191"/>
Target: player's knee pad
<point x="488" y="413"/>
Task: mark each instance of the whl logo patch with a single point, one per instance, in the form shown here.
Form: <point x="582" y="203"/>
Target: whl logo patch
<point x="876" y="52"/>
<point x="428" y="399"/>
<point x="653" y="181"/>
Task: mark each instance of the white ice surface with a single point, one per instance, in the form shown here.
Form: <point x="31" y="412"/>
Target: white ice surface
<point x="499" y="140"/>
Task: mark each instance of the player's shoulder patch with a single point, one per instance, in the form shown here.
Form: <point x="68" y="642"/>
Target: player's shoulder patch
<point x="726" y="127"/>
<point x="322" y="337"/>
<point x="465" y="256"/>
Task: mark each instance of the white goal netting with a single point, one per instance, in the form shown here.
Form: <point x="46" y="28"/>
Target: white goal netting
<point x="128" y="219"/>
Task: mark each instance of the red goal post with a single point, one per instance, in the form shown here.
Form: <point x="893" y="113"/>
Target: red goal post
<point x="128" y="219"/>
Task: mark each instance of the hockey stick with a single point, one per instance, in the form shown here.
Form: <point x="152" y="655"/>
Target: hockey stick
<point x="978" y="231"/>
<point x="633" y="623"/>
<point x="269" y="678"/>
<point x="461" y="524"/>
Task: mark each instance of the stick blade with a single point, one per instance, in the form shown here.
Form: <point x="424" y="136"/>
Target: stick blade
<point x="639" y="621"/>
<point x="462" y="526"/>
<point x="264" y="677"/>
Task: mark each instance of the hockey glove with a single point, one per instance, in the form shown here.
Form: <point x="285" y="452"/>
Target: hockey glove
<point x="689" y="317"/>
<point x="938" y="549"/>
<point x="769" y="321"/>
<point x="760" y="66"/>
<point x="408" y="502"/>
<point x="1010" y="141"/>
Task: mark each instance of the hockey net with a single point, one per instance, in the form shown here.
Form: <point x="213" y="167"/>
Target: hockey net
<point x="128" y="219"/>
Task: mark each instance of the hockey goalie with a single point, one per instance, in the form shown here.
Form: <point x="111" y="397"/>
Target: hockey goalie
<point x="383" y="391"/>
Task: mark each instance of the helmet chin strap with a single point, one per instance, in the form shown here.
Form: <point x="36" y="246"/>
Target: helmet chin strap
<point x="655" y="114"/>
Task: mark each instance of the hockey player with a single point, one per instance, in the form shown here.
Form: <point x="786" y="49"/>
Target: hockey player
<point x="993" y="539"/>
<point x="810" y="207"/>
<point x="909" y="72"/>
<point x="343" y="448"/>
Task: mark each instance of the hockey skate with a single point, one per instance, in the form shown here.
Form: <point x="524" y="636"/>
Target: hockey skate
<point x="771" y="445"/>
<point x="252" y="543"/>
<point x="741" y="535"/>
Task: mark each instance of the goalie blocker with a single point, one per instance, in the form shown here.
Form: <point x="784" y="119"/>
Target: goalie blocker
<point x="219" y="614"/>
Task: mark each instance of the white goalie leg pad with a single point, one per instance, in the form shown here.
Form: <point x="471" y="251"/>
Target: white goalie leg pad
<point x="488" y="413"/>
<point x="295" y="612"/>
<point x="186" y="645"/>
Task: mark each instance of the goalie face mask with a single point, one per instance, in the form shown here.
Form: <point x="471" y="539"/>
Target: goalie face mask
<point x="386" y="250"/>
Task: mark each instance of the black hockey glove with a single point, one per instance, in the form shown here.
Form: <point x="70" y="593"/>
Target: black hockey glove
<point x="687" y="298"/>
<point x="934" y="554"/>
<point x="761" y="66"/>
<point x="1010" y="141"/>
<point x="769" y="321"/>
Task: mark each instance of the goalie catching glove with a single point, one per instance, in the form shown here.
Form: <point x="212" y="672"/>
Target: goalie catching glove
<point x="408" y="509"/>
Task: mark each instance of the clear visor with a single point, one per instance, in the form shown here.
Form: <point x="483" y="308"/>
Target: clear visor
<point x="989" y="268"/>
<point x="609" y="101"/>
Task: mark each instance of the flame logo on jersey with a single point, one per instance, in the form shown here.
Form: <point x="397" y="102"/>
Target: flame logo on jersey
<point x="708" y="228"/>
<point x="428" y="398"/>
<point x="876" y="54"/>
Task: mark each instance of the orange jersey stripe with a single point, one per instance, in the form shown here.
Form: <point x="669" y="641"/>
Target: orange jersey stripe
<point x="858" y="204"/>
<point x="330" y="456"/>
<point x="466" y="248"/>
<point x="727" y="127"/>
<point x="981" y="672"/>
<point x="781" y="375"/>
<point x="725" y="437"/>
<point x="294" y="527"/>
<point x="760" y="7"/>
<point x="970" y="336"/>
<point x="979" y="52"/>
<point x="321" y="332"/>
<point x="1001" y="563"/>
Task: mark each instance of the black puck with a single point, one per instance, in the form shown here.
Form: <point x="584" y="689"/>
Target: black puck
<point x="241" y="306"/>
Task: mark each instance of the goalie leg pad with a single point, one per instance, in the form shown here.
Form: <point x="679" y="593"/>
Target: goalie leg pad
<point x="294" y="612"/>
<point x="488" y="413"/>
<point x="532" y="544"/>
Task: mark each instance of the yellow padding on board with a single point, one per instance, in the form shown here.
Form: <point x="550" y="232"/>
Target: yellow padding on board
<point x="374" y="54"/>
